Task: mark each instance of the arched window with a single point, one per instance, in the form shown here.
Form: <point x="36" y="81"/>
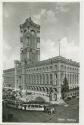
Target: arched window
<point x="43" y="79"/>
<point x="51" y="79"/>
<point x="28" y="41"/>
<point x="27" y="55"/>
<point x="34" y="79"/>
<point x="38" y="44"/>
<point x="37" y="79"/>
<point x="40" y="79"/>
<point x="47" y="78"/>
<point x="56" y="76"/>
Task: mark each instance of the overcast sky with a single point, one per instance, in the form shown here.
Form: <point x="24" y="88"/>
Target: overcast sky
<point x="58" y="21"/>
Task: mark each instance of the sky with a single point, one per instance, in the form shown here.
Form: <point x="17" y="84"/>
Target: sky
<point x="58" y="21"/>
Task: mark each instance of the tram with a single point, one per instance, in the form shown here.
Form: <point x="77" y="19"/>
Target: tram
<point x="33" y="107"/>
<point x="25" y="106"/>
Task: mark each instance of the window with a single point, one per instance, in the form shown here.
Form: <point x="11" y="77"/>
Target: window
<point x="37" y="79"/>
<point x="40" y="79"/>
<point x="51" y="79"/>
<point x="50" y="67"/>
<point x="34" y="79"/>
<point x="75" y="79"/>
<point x="65" y="67"/>
<point x="70" y="78"/>
<point x="43" y="79"/>
<point x="38" y="44"/>
<point x="47" y="68"/>
<point x="47" y="78"/>
<point x="56" y="76"/>
<point x="27" y="55"/>
<point x="28" y="41"/>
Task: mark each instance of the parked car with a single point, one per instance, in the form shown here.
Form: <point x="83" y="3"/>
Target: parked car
<point x="49" y="109"/>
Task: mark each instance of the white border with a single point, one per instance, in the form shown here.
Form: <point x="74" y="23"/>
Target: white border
<point x="1" y="61"/>
<point x="81" y="116"/>
<point x="81" y="63"/>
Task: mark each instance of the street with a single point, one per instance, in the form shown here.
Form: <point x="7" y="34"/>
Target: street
<point x="63" y="114"/>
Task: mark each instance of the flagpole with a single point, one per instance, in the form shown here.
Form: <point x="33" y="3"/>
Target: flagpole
<point x="59" y="47"/>
<point x="29" y="9"/>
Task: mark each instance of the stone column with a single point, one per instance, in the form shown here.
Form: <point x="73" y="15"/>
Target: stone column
<point x="36" y="79"/>
<point x="23" y="78"/>
<point x="42" y="78"/>
<point x="31" y="79"/>
<point x="45" y="78"/>
<point x="53" y="78"/>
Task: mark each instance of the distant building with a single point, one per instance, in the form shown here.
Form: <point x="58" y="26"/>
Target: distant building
<point x="41" y="76"/>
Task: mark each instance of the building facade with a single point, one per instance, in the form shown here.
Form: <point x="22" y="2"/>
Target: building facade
<point x="39" y="76"/>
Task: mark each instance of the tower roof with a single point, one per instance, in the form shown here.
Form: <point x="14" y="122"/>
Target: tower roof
<point x="29" y="22"/>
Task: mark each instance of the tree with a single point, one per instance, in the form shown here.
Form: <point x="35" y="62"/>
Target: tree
<point x="64" y="87"/>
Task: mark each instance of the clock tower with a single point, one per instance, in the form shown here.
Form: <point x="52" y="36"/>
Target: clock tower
<point x="30" y="42"/>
